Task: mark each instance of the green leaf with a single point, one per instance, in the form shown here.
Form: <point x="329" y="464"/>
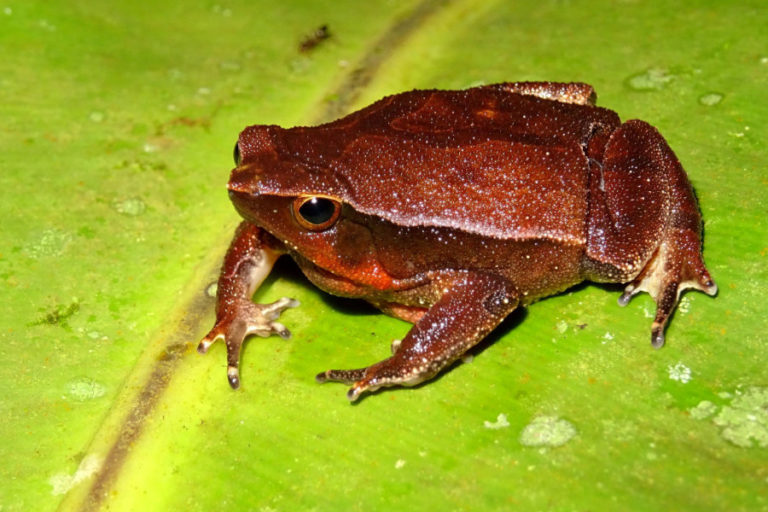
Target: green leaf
<point x="118" y="121"/>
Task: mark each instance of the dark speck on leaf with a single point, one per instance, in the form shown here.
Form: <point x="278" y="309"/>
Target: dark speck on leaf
<point x="311" y="41"/>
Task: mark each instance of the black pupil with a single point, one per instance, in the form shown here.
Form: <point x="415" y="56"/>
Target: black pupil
<point x="236" y="154"/>
<point x="317" y="210"/>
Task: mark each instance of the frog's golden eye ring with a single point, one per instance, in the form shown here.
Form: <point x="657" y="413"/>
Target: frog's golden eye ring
<point x="236" y="153"/>
<point x="316" y="213"/>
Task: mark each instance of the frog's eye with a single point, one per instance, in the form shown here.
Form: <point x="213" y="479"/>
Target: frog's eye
<point x="316" y="213"/>
<point x="236" y="154"/>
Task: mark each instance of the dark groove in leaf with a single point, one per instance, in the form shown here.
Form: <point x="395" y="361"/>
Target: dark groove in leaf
<point x="362" y="74"/>
<point x="132" y="427"/>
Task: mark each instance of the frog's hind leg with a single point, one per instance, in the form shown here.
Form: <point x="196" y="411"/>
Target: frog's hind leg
<point x="472" y="304"/>
<point x="644" y="223"/>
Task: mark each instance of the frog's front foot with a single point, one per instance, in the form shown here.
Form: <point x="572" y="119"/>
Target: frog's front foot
<point x="239" y="319"/>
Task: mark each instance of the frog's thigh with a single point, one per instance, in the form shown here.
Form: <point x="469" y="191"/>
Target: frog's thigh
<point x="628" y="203"/>
<point x="472" y="305"/>
<point x="644" y="223"/>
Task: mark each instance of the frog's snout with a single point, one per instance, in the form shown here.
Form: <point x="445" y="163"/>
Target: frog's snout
<point x="243" y="180"/>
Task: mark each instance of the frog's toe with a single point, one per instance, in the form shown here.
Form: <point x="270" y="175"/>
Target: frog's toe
<point x="354" y="393"/>
<point x="209" y="340"/>
<point x="280" y="330"/>
<point x="233" y="376"/>
<point x="272" y="311"/>
<point x="375" y="380"/>
<point x="343" y="376"/>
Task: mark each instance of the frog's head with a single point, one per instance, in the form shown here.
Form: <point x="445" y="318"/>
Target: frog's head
<point x="284" y="182"/>
<point x="281" y="181"/>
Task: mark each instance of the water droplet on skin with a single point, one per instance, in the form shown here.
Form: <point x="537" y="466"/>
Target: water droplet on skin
<point x="653" y="79"/>
<point x="710" y="99"/>
<point x="132" y="207"/>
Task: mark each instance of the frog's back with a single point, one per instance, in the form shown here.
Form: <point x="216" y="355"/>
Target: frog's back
<point x="482" y="160"/>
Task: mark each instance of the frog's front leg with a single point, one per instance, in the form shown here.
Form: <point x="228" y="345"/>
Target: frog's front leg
<point x="248" y="261"/>
<point x="473" y="304"/>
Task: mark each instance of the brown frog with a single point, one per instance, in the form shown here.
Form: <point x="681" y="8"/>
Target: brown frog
<point x="449" y="209"/>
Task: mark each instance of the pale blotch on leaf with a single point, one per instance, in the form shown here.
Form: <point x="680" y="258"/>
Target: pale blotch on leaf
<point x="680" y="373"/>
<point x="745" y="422"/>
<point x="711" y="99"/>
<point x="50" y="242"/>
<point x="501" y="422"/>
<point x="653" y="79"/>
<point x="547" y="431"/>
<point x="86" y="389"/>
<point x="131" y="207"/>
<point x="61" y="483"/>
<point x="703" y="410"/>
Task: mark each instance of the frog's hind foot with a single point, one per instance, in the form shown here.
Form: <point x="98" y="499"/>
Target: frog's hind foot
<point x="675" y="266"/>
<point x="644" y="222"/>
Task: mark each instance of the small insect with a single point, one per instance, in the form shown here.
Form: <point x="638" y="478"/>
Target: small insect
<point x="314" y="39"/>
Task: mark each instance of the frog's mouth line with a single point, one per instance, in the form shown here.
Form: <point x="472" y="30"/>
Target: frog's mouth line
<point x="344" y="287"/>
